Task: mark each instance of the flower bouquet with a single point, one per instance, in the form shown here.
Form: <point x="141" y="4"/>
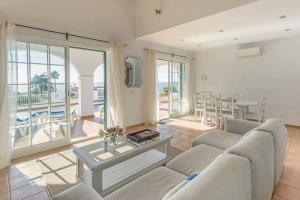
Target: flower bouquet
<point x="111" y="133"/>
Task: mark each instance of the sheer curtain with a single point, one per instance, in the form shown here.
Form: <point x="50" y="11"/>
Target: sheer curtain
<point x="189" y="84"/>
<point x="115" y="86"/>
<point x="151" y="101"/>
<point x="8" y="90"/>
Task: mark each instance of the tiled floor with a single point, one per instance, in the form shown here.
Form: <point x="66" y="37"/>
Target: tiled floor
<point x="24" y="181"/>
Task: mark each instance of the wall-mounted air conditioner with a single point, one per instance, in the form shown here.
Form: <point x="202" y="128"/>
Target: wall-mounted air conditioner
<point x="248" y="52"/>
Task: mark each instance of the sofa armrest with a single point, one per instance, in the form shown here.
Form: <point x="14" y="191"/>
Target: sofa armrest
<point x="239" y="126"/>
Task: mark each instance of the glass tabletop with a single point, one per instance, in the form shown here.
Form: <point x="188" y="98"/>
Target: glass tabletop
<point x="103" y="151"/>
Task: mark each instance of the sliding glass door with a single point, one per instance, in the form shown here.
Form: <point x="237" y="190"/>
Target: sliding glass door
<point x="171" y="86"/>
<point x="42" y="98"/>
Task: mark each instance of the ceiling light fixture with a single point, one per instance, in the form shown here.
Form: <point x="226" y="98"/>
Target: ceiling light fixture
<point x="282" y="17"/>
<point x="288" y="29"/>
<point x="199" y="45"/>
<point x="181" y="40"/>
<point x="236" y="39"/>
<point x="221" y="31"/>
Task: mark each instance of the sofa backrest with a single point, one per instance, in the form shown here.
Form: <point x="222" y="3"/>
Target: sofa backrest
<point x="258" y="148"/>
<point x="239" y="126"/>
<point x="276" y="128"/>
<point x="228" y="177"/>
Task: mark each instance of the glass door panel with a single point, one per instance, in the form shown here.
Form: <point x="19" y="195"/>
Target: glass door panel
<point x="177" y="88"/>
<point x="41" y="104"/>
<point x="163" y="91"/>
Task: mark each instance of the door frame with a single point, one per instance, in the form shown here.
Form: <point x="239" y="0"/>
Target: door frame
<point x="48" y="39"/>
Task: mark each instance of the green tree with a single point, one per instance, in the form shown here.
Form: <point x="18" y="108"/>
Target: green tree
<point x="55" y="75"/>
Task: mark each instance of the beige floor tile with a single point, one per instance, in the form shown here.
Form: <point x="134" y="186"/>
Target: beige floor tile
<point x="28" y="190"/>
<point x="30" y="171"/>
<point x="40" y="196"/>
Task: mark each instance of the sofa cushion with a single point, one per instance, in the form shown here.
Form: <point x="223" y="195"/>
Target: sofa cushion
<point x="228" y="177"/>
<point x="195" y="159"/>
<point x="239" y="126"/>
<point x="153" y="185"/>
<point x="78" y="192"/>
<point x="174" y="190"/>
<point x="279" y="133"/>
<point x="258" y="148"/>
<point x="217" y="138"/>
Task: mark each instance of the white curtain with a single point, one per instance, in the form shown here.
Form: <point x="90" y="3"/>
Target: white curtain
<point x="116" y="86"/>
<point x="151" y="109"/>
<point x="8" y="90"/>
<point x="189" y="84"/>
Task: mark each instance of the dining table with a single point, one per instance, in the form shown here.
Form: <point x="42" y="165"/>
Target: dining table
<point x="244" y="106"/>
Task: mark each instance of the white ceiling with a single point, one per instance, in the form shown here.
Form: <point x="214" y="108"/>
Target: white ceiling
<point x="254" y="22"/>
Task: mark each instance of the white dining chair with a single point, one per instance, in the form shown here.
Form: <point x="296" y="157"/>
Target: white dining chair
<point x="258" y="115"/>
<point x="227" y="109"/>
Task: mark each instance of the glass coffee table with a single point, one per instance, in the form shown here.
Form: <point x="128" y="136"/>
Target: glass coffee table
<point x="114" y="166"/>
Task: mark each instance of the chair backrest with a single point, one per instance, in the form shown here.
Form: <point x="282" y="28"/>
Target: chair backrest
<point x="262" y="108"/>
<point x="199" y="101"/>
<point x="211" y="102"/>
<point x="226" y="105"/>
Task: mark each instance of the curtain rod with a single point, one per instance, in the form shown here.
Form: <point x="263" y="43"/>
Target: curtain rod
<point x="67" y="35"/>
<point x="173" y="54"/>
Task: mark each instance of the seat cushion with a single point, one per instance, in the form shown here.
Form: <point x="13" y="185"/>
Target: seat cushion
<point x="153" y="185"/>
<point x="195" y="159"/>
<point x="79" y="192"/>
<point x="228" y="177"/>
<point x="217" y="138"/>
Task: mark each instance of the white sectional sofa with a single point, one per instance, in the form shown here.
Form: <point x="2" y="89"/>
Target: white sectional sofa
<point x="242" y="162"/>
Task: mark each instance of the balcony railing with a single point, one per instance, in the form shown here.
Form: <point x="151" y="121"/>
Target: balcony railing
<point x="35" y="98"/>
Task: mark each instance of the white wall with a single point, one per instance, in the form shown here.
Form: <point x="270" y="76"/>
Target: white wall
<point x="176" y="12"/>
<point x="103" y="19"/>
<point x="274" y="75"/>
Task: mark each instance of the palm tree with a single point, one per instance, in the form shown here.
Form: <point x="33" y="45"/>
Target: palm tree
<point x="40" y="82"/>
<point x="55" y="75"/>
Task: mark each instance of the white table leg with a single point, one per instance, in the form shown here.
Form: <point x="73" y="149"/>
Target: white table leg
<point x="168" y="149"/>
<point x="79" y="168"/>
<point x="97" y="181"/>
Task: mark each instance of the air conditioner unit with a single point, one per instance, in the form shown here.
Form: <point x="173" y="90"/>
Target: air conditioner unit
<point x="248" y="52"/>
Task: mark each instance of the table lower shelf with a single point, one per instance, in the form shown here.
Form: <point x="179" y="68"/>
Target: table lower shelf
<point x="128" y="169"/>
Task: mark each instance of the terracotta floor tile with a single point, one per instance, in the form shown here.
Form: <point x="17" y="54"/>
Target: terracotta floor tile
<point x="4" y="196"/>
<point x="275" y="197"/>
<point x="4" y="188"/>
<point x="287" y="192"/>
<point x="28" y="190"/>
<point x="4" y="178"/>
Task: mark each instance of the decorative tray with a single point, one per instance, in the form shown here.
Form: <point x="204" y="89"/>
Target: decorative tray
<point x="143" y="135"/>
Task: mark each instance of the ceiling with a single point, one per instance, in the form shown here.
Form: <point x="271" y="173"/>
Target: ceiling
<point x="259" y="21"/>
